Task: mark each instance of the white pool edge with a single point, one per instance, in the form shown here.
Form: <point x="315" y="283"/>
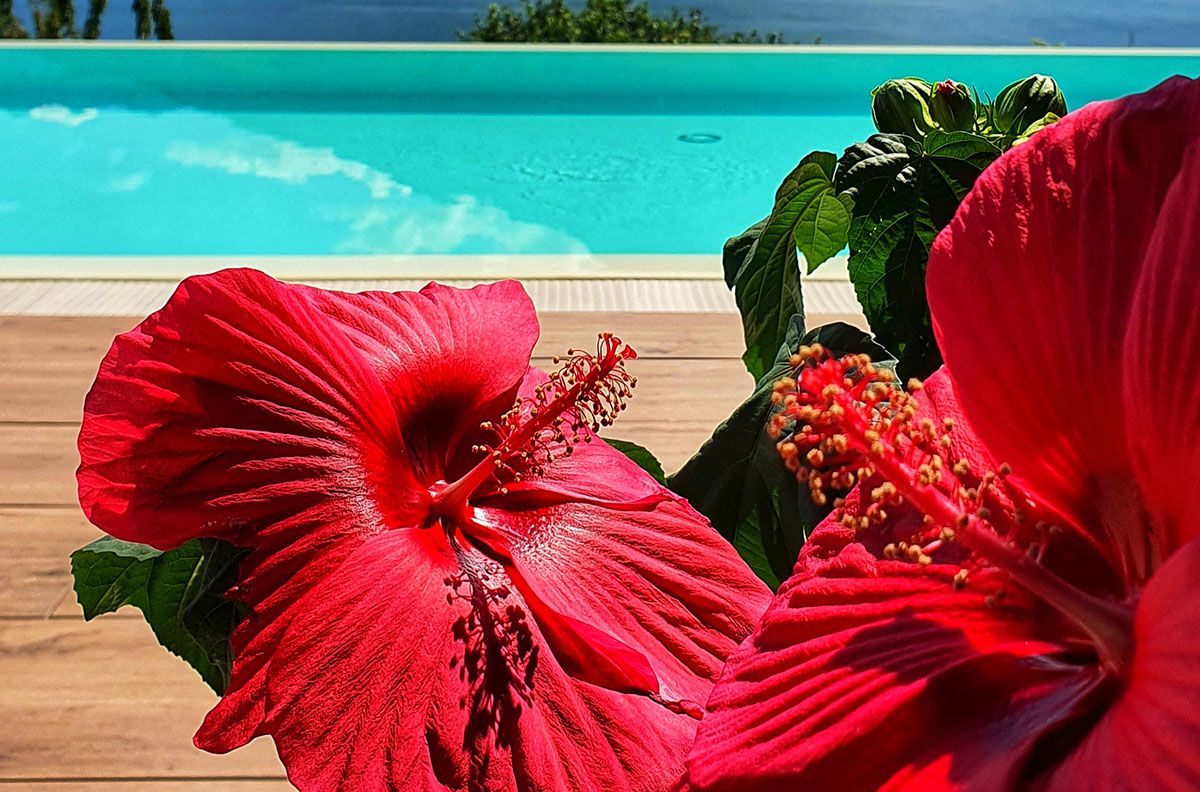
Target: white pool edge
<point x="454" y="267"/>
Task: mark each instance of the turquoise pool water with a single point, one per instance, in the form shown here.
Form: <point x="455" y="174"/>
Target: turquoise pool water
<point x="112" y="151"/>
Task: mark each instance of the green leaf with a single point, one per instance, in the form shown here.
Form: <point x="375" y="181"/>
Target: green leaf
<point x="110" y="573"/>
<point x="641" y="457"/>
<point x="180" y="592"/>
<point x="808" y="217"/>
<point x="187" y="608"/>
<point x="905" y="191"/>
<point x="737" y="251"/>
<point x="737" y="480"/>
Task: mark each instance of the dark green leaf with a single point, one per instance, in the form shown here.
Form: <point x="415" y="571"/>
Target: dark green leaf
<point x="737" y="480"/>
<point x="110" y="573"/>
<point x="181" y="593"/>
<point x="187" y="608"/>
<point x="905" y="190"/>
<point x="809" y="215"/>
<point x="737" y="251"/>
<point x="641" y="457"/>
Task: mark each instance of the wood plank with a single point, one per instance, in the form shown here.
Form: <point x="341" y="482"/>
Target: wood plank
<point x="38" y="465"/>
<point x="654" y="334"/>
<point x="103" y="700"/>
<point x="35" y="545"/>
<point x="50" y="362"/>
<point x="39" y="468"/>
<point x="49" y="396"/>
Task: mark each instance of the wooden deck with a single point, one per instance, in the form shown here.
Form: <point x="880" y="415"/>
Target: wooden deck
<point x="101" y="706"/>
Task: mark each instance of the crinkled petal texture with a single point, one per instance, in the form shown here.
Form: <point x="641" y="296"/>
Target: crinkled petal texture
<point x="306" y="426"/>
<point x="867" y="673"/>
<point x="1034" y="287"/>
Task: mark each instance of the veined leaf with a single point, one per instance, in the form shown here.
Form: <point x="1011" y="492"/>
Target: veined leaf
<point x="737" y="480"/>
<point x="905" y="190"/>
<point x="187" y="608"/>
<point x="737" y="251"/>
<point x="180" y="592"/>
<point x="110" y="573"/>
<point x="808" y="217"/>
<point x="641" y="457"/>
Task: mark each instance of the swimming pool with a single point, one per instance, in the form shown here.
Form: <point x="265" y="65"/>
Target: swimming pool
<point x="136" y="150"/>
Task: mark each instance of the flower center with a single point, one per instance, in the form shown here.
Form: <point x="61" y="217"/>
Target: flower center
<point x="843" y="421"/>
<point x="583" y="396"/>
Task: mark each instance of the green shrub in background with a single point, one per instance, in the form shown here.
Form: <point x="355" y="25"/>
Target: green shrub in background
<point x="55" y="19"/>
<point x="602" y="21"/>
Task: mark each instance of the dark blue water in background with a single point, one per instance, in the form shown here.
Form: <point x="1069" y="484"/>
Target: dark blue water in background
<point x="1107" y="23"/>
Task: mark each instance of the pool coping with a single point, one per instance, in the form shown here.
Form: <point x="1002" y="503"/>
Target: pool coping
<point x="139" y="297"/>
<point x="388" y="267"/>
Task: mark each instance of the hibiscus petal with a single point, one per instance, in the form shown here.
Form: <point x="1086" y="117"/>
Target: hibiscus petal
<point x="246" y="401"/>
<point x="868" y="673"/>
<point x="1162" y="361"/>
<point x="1031" y="289"/>
<point x="380" y="684"/>
<point x="1147" y="740"/>
<point x="659" y="580"/>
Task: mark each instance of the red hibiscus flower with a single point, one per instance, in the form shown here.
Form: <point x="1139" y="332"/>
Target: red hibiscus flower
<point x="449" y="586"/>
<point x="1009" y="597"/>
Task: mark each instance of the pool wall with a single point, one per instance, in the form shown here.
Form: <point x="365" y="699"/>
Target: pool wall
<point x="547" y="79"/>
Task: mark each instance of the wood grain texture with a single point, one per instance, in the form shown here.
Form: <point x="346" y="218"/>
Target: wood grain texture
<point x="49" y="362"/>
<point x="35" y="577"/>
<point x="104" y="700"/>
